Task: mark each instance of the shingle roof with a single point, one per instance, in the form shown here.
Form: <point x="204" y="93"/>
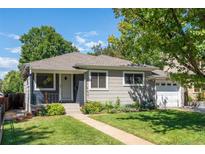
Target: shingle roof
<point x="104" y="60"/>
<point x="158" y="74"/>
<point x="76" y="60"/>
<point x="63" y="62"/>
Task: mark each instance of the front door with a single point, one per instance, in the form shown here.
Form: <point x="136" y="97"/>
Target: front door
<point x="66" y="87"/>
<point x="79" y="88"/>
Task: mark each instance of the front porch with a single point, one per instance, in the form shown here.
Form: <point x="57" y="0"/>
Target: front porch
<point x="57" y="87"/>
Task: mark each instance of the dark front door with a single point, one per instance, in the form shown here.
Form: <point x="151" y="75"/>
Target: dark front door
<point x="79" y="88"/>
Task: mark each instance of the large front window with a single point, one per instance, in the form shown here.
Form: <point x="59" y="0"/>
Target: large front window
<point x="98" y="80"/>
<point x="44" y="81"/>
<point x="133" y="78"/>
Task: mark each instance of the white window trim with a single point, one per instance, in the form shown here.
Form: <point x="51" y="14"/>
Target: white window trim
<point x="98" y="71"/>
<point x="45" y="89"/>
<point x="127" y="72"/>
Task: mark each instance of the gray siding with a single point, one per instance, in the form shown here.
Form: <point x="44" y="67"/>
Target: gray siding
<point x="116" y="89"/>
<point x="38" y="97"/>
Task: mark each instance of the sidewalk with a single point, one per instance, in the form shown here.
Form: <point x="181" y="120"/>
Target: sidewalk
<point x="116" y="133"/>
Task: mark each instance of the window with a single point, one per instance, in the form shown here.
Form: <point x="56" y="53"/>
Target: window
<point x="133" y="78"/>
<point x="174" y="84"/>
<point x="169" y="84"/>
<point x="98" y="80"/>
<point x="44" y="81"/>
<point x="163" y="84"/>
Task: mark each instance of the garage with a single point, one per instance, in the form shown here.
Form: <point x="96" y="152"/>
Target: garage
<point x="168" y="94"/>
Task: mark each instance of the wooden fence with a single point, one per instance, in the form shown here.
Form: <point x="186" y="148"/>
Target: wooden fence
<point x="13" y="101"/>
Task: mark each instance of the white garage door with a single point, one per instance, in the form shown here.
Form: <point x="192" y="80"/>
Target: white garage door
<point x="168" y="94"/>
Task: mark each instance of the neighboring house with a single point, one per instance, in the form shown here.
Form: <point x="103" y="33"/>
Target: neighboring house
<point x="77" y="77"/>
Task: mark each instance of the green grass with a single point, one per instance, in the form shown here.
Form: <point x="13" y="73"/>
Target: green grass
<point x="54" y="130"/>
<point x="160" y="126"/>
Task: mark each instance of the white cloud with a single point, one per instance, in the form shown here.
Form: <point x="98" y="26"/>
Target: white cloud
<point x="80" y="40"/>
<point x="12" y="36"/>
<point x="14" y="50"/>
<point x="83" y="41"/>
<point x="90" y="44"/>
<point x="7" y="62"/>
<point x="2" y="74"/>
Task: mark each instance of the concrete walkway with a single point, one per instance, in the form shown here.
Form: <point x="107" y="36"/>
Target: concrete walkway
<point x="116" y="133"/>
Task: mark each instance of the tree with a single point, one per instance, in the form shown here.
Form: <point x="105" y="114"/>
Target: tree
<point x="173" y="37"/>
<point x="12" y="82"/>
<point x="1" y="82"/>
<point x="43" y="42"/>
<point x="110" y="50"/>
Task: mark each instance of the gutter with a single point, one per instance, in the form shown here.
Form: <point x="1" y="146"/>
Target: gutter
<point x="116" y="67"/>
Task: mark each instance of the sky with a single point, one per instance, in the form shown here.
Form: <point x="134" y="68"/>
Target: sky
<point x="83" y="27"/>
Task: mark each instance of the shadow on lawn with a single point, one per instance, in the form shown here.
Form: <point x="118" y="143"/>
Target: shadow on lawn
<point x="25" y="136"/>
<point x="168" y="120"/>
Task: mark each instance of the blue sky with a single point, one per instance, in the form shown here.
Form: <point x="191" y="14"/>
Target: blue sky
<point x="83" y="27"/>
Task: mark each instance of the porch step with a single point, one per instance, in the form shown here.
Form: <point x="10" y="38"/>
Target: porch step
<point x="72" y="108"/>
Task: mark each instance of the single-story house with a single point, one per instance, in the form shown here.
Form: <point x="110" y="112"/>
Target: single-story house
<point x="77" y="77"/>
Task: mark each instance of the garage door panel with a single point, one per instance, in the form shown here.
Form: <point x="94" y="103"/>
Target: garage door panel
<point x="167" y="95"/>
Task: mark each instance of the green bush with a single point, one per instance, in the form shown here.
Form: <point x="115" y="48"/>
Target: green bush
<point x="109" y="106"/>
<point x="127" y="108"/>
<point x="42" y="111"/>
<point x="92" y="107"/>
<point x="55" y="109"/>
<point x="148" y="105"/>
<point x="117" y="104"/>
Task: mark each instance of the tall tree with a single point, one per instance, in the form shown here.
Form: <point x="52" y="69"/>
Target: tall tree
<point x="109" y="50"/>
<point x="43" y="42"/>
<point x="1" y="82"/>
<point x="165" y="36"/>
<point x="12" y="82"/>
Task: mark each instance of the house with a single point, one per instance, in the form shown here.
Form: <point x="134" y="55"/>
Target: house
<point x="192" y="92"/>
<point x="77" y="77"/>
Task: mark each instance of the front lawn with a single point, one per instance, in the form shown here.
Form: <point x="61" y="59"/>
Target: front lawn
<point x="160" y="126"/>
<point x="54" y="130"/>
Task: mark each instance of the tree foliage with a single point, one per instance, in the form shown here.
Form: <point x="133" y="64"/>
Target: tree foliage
<point x="109" y="50"/>
<point x="174" y="37"/>
<point x="12" y="82"/>
<point x="43" y="42"/>
<point x="1" y="82"/>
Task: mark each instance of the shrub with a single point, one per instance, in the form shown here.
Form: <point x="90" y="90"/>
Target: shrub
<point x="127" y="108"/>
<point x="55" y="109"/>
<point x="148" y="105"/>
<point x="117" y="103"/>
<point x="109" y="106"/>
<point x="42" y="111"/>
<point x="113" y="111"/>
<point x="92" y="107"/>
<point x="135" y="105"/>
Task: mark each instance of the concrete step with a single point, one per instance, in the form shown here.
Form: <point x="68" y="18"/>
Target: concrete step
<point x="71" y="108"/>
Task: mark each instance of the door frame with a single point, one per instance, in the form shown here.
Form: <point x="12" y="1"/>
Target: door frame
<point x="60" y="88"/>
